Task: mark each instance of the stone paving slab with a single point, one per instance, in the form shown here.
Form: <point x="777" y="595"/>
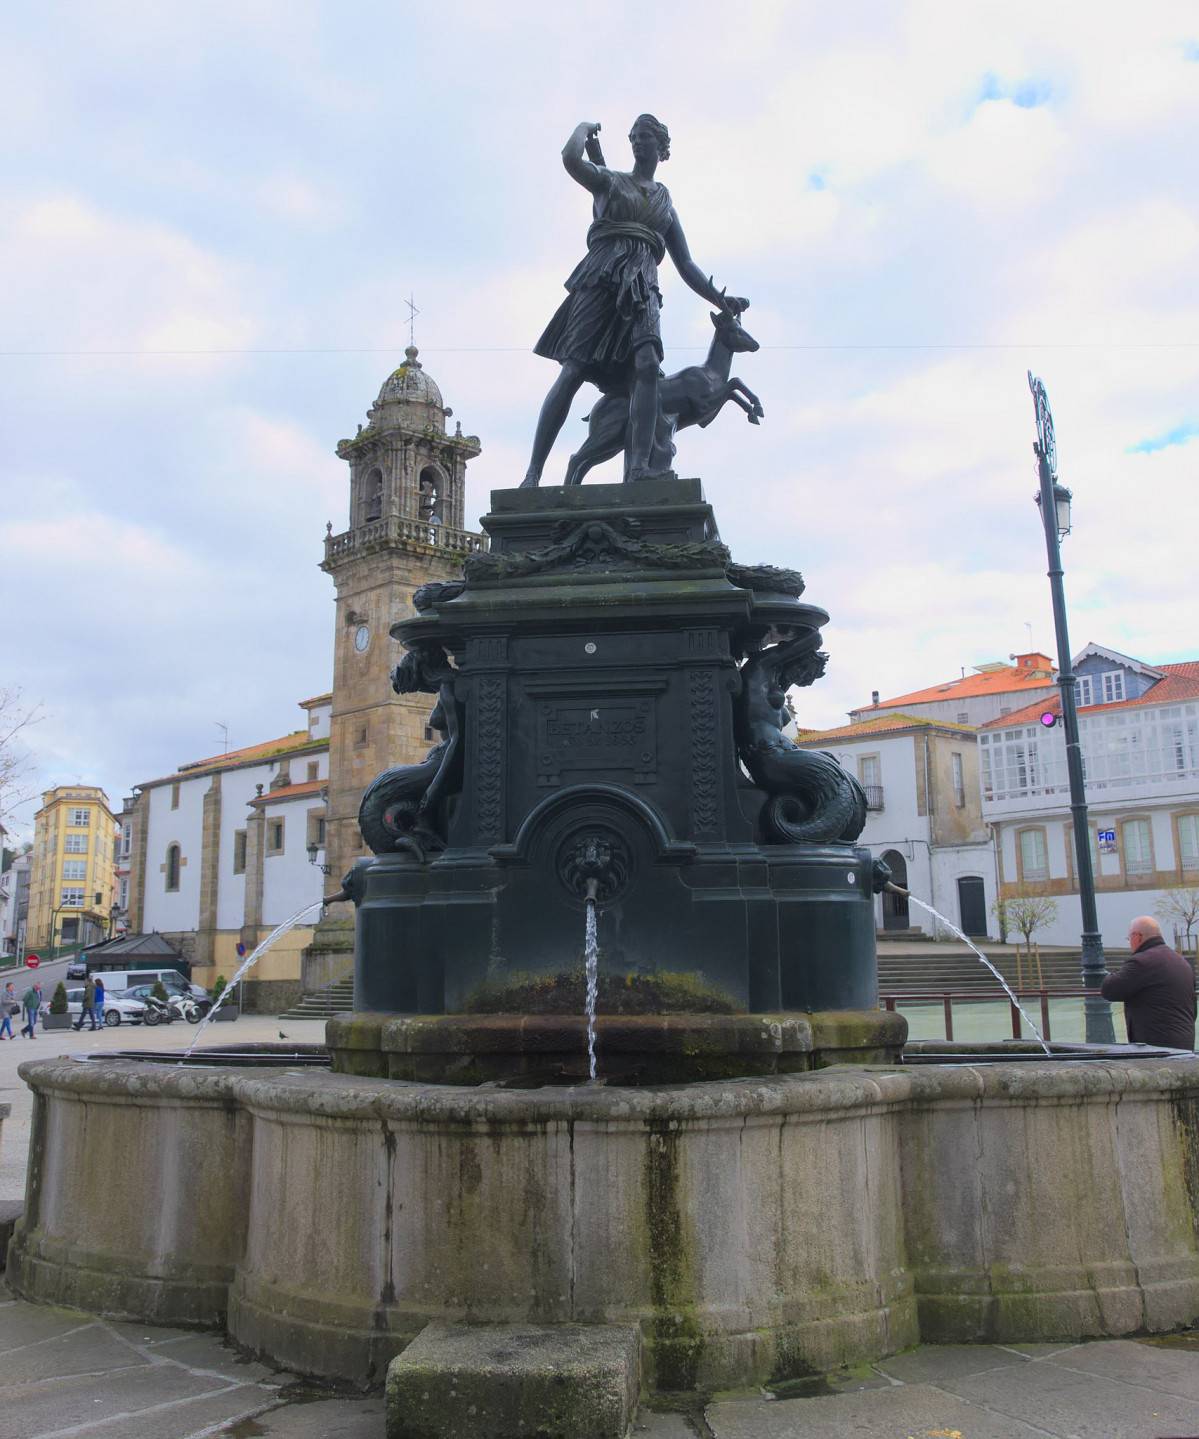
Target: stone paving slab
<point x="934" y="1363"/>
<point x="320" y="1419"/>
<point x="86" y="1400"/>
<point x="903" y="1411"/>
<point x="1062" y="1401"/>
<point x="1163" y="1371"/>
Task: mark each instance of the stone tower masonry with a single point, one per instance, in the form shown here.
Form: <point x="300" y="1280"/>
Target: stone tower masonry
<point x="407" y="497"/>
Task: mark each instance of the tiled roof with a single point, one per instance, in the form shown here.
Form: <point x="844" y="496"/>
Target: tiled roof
<point x="253" y="754"/>
<point x="992" y="682"/>
<point x="881" y="724"/>
<point x="1181" y="683"/>
<point x="290" y="791"/>
<point x="317" y="700"/>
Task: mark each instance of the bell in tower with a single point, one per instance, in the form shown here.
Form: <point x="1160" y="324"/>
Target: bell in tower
<point x="407" y="512"/>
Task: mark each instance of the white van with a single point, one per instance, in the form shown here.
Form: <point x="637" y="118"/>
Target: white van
<point x="172" y="981"/>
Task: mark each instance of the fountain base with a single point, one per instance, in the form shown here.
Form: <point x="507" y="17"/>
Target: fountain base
<point x="522" y="1050"/>
<point x="753" y="1229"/>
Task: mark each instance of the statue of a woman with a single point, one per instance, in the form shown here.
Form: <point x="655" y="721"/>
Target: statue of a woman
<point x="607" y="329"/>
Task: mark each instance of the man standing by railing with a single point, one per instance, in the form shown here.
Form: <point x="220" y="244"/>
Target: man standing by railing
<point x="1158" y="989"/>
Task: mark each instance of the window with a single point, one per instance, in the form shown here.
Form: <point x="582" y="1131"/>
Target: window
<point x="314" y="770"/>
<point x="1188" y="841"/>
<point x="123" y="895"/>
<point x="1113" y="687"/>
<point x="1138" y="848"/>
<point x="172" y="866"/>
<point x="360" y="742"/>
<point x="316" y="828"/>
<point x="373" y="507"/>
<point x="74" y="869"/>
<point x="963" y="717"/>
<point x="870" y="775"/>
<point x="80" y="818"/>
<point x="75" y="844"/>
<point x="431" y="735"/>
<point x="1034" y="864"/>
<point x="1092" y="845"/>
<point x="274" y="836"/>
<point x="175" y="795"/>
<point x="127" y="840"/>
<point x="959" y="780"/>
<point x="72" y="898"/>
<point x="239" y="851"/>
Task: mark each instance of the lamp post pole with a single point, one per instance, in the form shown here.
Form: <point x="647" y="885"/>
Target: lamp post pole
<point x="1098" y="1011"/>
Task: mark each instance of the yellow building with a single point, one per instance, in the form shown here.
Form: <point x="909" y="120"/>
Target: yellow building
<point x="72" y="874"/>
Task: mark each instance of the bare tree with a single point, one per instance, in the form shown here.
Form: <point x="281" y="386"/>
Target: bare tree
<point x="16" y="763"/>
<point x="1026" y="910"/>
<point x="1179" y="905"/>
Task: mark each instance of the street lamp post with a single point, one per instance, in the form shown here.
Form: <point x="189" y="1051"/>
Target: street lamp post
<point x="1054" y="502"/>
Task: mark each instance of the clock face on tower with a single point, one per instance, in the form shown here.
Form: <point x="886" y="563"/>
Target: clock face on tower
<point x="362" y="638"/>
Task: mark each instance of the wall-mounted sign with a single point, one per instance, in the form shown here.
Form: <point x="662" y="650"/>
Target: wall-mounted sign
<point x="1107" y="841"/>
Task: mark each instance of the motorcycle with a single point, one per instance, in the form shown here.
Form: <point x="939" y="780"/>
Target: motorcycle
<point x="158" y="1011"/>
<point x="183" y="1006"/>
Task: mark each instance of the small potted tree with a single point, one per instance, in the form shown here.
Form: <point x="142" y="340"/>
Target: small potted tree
<point x="57" y="1016"/>
<point x="228" y="1010"/>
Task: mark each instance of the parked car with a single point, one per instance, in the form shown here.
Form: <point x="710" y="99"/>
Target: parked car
<point x="118" y="1008"/>
<point x="170" y="979"/>
<point x="77" y="969"/>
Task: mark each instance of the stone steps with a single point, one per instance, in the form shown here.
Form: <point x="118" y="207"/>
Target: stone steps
<point x="934" y="974"/>
<point x="335" y="998"/>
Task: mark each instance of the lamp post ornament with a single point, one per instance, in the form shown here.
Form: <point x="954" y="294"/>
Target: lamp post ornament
<point x="1099" y="1028"/>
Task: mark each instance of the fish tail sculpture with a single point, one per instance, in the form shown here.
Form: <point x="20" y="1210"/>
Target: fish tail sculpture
<point x="811" y="799"/>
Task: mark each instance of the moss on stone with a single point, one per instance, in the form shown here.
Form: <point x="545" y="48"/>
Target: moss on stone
<point x="678" y="1337"/>
<point x="566" y="993"/>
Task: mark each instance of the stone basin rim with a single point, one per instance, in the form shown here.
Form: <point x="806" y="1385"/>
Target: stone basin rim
<point x="838" y="1087"/>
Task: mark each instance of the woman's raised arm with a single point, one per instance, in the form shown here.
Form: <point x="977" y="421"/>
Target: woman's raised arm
<point x="574" y="157"/>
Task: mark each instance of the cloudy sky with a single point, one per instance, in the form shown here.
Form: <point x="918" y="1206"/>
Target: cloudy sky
<point x="211" y="216"/>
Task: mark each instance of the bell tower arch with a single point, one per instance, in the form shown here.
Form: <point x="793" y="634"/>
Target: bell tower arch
<point x="406" y="528"/>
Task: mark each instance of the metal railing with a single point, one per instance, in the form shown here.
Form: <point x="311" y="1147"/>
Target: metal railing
<point x="946" y="997"/>
<point x="874" y="796"/>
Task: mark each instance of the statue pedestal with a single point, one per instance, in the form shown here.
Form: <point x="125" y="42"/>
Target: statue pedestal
<point x="597" y="650"/>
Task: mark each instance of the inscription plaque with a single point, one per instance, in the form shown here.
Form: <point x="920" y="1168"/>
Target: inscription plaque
<point x="606" y="733"/>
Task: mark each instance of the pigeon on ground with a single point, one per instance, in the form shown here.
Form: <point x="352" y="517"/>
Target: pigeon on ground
<point x="282" y="1035"/>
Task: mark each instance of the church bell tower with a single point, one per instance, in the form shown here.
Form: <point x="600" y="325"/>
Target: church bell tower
<point x="407" y="498"/>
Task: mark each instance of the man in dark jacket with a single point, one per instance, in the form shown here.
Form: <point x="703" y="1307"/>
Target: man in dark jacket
<point x="1158" y="989"/>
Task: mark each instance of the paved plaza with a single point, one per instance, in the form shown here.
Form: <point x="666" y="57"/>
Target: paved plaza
<point x="69" y="1376"/>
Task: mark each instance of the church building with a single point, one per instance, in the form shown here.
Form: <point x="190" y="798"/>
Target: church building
<point x="225" y="849"/>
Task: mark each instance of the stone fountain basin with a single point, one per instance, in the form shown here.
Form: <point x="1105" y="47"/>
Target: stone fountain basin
<point x="755" y="1229"/>
<point x="643" y="1049"/>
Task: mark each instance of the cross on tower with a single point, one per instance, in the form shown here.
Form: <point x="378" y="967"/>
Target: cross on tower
<point x="412" y="314"/>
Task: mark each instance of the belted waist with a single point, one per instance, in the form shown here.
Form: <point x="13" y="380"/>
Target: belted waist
<point x="626" y="229"/>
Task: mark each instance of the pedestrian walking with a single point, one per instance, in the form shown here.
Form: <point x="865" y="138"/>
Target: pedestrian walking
<point x="8" y="1007"/>
<point x="87" y="1011"/>
<point x="32" y="1001"/>
<point x="98" y="1004"/>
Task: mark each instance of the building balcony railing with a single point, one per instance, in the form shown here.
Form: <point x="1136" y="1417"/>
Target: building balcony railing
<point x="874" y="796"/>
<point x="397" y="529"/>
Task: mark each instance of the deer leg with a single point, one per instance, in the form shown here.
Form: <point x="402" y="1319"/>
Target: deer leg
<point x="757" y="412"/>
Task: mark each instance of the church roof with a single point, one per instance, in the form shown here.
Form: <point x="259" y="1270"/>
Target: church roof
<point x="410" y="384"/>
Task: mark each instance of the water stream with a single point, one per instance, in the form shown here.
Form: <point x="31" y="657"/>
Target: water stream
<point x="591" y="959"/>
<point x="252" y="959"/>
<point x="953" y="929"/>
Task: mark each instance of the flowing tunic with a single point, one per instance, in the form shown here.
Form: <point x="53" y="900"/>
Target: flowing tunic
<point x="613" y="303"/>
